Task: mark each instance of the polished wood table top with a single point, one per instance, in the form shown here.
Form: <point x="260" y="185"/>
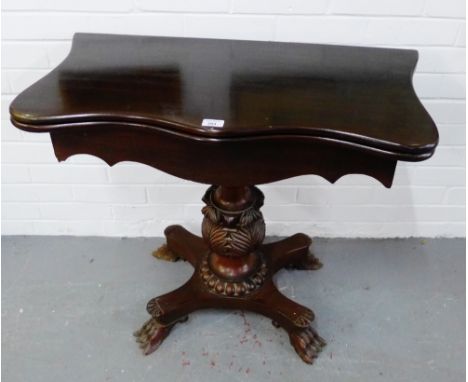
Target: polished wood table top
<point x="339" y="96"/>
<point x="232" y="114"/>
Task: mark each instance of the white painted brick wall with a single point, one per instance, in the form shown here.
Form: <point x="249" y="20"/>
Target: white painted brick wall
<point x="83" y="196"/>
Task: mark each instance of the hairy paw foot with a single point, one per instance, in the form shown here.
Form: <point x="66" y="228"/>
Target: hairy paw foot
<point x="151" y="335"/>
<point x="304" y="319"/>
<point x="307" y="343"/>
<point x="308" y="263"/>
<point x="164" y="253"/>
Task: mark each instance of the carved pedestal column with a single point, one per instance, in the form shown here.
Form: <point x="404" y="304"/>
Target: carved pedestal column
<point x="233" y="228"/>
<point x="233" y="270"/>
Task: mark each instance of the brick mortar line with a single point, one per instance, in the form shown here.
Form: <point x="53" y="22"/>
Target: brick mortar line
<point x="268" y="187"/>
<point x="323" y="14"/>
<point x="197" y="205"/>
<point x="18" y="69"/>
<point x="393" y="45"/>
<point x="286" y="223"/>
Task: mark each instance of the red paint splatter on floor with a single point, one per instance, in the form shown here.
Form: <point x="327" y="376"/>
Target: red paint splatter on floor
<point x="247" y="371"/>
<point x="185" y="362"/>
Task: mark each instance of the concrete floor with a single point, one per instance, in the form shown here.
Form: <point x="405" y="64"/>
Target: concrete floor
<point x="391" y="310"/>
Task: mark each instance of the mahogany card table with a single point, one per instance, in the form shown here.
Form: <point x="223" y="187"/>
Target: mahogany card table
<point x="232" y="114"/>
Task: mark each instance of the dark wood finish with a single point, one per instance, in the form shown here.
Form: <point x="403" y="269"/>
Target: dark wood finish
<point x="288" y="110"/>
<point x="233" y="270"/>
<point x="352" y="94"/>
<point x="229" y="161"/>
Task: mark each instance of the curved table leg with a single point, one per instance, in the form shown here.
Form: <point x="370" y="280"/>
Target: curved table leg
<point x="296" y="319"/>
<point x="173" y="307"/>
<point x="166" y="311"/>
<point x="176" y="305"/>
<point x="292" y="252"/>
<point x="181" y="244"/>
<point x="284" y="311"/>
